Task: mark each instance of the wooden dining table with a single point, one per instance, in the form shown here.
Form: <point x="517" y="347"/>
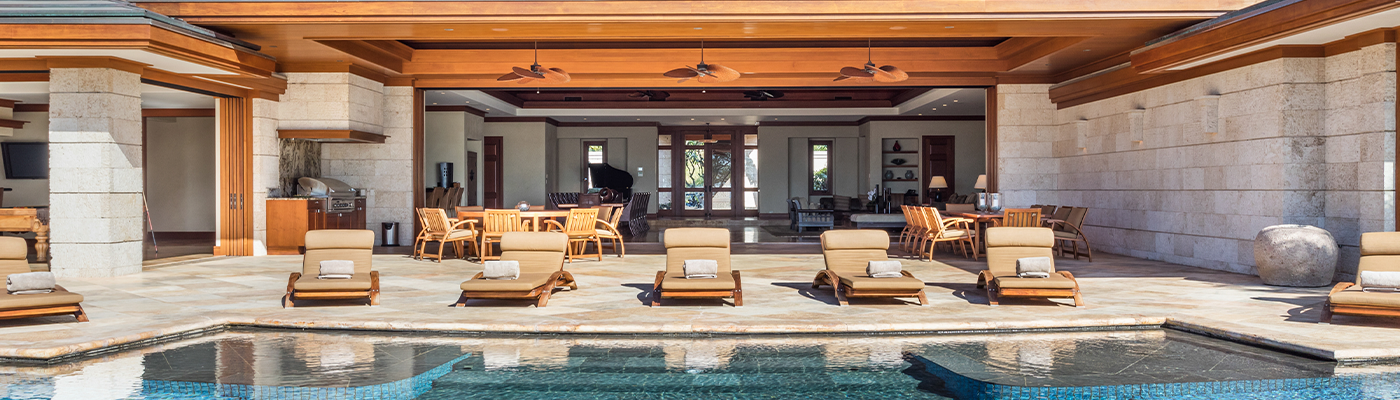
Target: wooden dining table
<point x="533" y="215"/>
<point x="980" y="220"/>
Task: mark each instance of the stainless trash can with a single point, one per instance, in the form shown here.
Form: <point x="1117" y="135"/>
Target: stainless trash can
<point x="390" y="234"/>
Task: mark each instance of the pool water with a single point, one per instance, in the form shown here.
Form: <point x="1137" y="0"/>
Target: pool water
<point x="278" y="364"/>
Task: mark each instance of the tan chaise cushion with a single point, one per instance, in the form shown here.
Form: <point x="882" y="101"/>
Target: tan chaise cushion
<point x="355" y="245"/>
<point x="677" y="281"/>
<point x="1055" y="281"/>
<point x="855" y="239"/>
<point x="55" y="299"/>
<point x="14" y="254"/>
<point x="862" y="282"/>
<point x="526" y="282"/>
<point x="311" y="284"/>
<point x="1353" y="296"/>
<point x="696" y="244"/>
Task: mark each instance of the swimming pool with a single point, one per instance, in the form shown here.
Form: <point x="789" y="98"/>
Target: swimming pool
<point x="275" y="364"/>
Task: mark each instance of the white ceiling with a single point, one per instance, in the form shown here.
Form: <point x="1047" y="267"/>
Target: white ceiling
<point x="945" y="102"/>
<point x="151" y="96"/>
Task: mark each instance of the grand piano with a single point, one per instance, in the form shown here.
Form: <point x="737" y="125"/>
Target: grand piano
<point x="615" y="186"/>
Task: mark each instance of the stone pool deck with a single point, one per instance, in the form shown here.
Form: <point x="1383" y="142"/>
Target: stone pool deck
<point x="612" y="297"/>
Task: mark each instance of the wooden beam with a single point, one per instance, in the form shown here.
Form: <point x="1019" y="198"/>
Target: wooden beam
<point x="31" y="108"/>
<point x="331" y="135"/>
<point x="1277" y="21"/>
<point x="1124" y="79"/>
<point x="992" y="139"/>
<point x="546" y="120"/>
<point x="178" y="112"/>
<point x="359" y="70"/>
<point x="95" y="62"/>
<point x="1017" y="52"/>
<point x="872" y="118"/>
<point x="737" y="104"/>
<point x="466" y="109"/>
<point x="371" y="53"/>
<point x="12" y="123"/>
<point x="581" y="124"/>
<point x="808" y="123"/>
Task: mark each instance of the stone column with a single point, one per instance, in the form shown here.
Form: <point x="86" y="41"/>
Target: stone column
<point x="95" y="180"/>
<point x="266" y="156"/>
<point x="1026" y="144"/>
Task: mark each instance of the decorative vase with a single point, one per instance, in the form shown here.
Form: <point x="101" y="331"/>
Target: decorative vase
<point x="523" y="206"/>
<point x="898" y="161"/>
<point x="982" y="201"/>
<point x="909" y="174"/>
<point x="994" y="202"/>
<point x="889" y="174"/>
<point x="897" y="147"/>
<point x="1295" y="255"/>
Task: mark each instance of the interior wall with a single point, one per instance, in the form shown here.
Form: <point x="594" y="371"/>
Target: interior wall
<point x="473" y="132"/>
<point x="969" y="145"/>
<point x="28" y="192"/>
<point x="782" y="160"/>
<point x="444" y="140"/>
<point x="629" y="148"/>
<point x="524" y="144"/>
<point x="181" y="169"/>
<point x="1190" y="172"/>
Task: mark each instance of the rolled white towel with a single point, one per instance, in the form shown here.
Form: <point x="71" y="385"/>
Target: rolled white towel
<point x="1378" y="281"/>
<point x="506" y="270"/>
<point x="30" y="283"/>
<point x="1034" y="267"/>
<point x="336" y="269"/>
<point x="884" y="269"/>
<point x="700" y="269"/>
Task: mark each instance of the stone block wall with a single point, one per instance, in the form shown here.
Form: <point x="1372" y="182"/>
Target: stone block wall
<point x="95" y="179"/>
<point x="265" y="167"/>
<point x="385" y="169"/>
<point x="1190" y="172"/>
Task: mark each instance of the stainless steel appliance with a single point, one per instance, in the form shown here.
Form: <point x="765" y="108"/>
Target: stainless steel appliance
<point x="334" y="204"/>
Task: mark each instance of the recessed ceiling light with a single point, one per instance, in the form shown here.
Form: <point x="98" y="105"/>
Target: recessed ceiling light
<point x="748" y="73"/>
<point x="896" y="28"/>
<point x="434" y="103"/>
<point x="448" y="29"/>
<point x="585" y="119"/>
<point x="272" y="46"/>
<point x="488" y="109"/>
<point x="698" y="28"/>
<point x="948" y="27"/>
<point x="945" y="105"/>
<point x="499" y="29"/>
<point x="1087" y="49"/>
<point x="721" y="119"/>
<point x="692" y="119"/>
<point x="935" y="109"/>
<point x="596" y="24"/>
<point x="955" y="101"/>
<point x="920" y="114"/>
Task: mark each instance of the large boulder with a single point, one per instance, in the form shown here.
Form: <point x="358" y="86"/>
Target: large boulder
<point x="1295" y="255"/>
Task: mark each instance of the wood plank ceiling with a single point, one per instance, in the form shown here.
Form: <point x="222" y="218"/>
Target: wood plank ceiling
<point x="629" y="44"/>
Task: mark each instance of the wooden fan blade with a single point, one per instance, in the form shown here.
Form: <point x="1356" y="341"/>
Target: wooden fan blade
<point x="841" y="78"/>
<point x="682" y="73"/>
<point x="509" y="77"/>
<point x="722" y="73"/>
<point x="526" y="73"/>
<point x="855" y="79"/>
<point x="895" y="73"/>
<point x="524" y="80"/>
<point x="854" y="72"/>
<point x="881" y="75"/>
<point x="555" y="75"/>
<point x="682" y="80"/>
<point x="707" y="79"/>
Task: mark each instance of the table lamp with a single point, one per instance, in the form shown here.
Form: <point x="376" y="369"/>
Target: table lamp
<point x="937" y="183"/>
<point x="981" y="182"/>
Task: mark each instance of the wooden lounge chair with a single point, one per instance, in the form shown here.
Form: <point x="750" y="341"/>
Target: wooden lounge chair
<point x="697" y="244"/>
<point x="1380" y="251"/>
<point x="355" y="245"/>
<point x="847" y="252"/>
<point x="541" y="258"/>
<point x="1004" y="246"/>
<point x="14" y="254"/>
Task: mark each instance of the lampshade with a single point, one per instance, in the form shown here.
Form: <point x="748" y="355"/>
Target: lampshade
<point x="937" y="182"/>
<point x="981" y="182"/>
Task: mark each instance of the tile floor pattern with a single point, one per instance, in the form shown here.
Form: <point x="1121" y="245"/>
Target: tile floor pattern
<point x="778" y="299"/>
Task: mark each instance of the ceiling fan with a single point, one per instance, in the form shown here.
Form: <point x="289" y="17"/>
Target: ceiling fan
<point x="702" y="72"/>
<point x="651" y="95"/>
<point x="762" y="95"/>
<point x="869" y="72"/>
<point x="535" y="73"/>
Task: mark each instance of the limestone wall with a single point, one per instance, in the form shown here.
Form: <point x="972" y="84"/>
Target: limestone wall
<point x="1189" y="172"/>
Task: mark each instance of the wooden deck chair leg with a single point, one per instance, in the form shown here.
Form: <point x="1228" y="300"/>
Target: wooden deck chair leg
<point x="923" y="300"/>
<point x="656" y="289"/>
<point x="992" y="295"/>
<point x="288" y="300"/>
<point x="544" y="299"/>
<point x="1078" y="301"/>
<point x="567" y="279"/>
<point x="461" y="300"/>
<point x="738" y="290"/>
<point x="840" y="297"/>
<point x="80" y="314"/>
<point x="374" y="287"/>
<point x="1088" y="251"/>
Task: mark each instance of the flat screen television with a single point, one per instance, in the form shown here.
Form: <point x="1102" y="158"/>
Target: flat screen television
<point x="25" y="160"/>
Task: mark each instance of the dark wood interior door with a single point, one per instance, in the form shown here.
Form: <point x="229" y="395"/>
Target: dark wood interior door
<point x="492" y="179"/>
<point x="938" y="161"/>
<point x="708" y="169"/>
<point x="471" y="178"/>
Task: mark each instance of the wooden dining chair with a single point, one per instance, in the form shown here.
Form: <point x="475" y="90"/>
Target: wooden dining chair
<point x="495" y="223"/>
<point x="911" y="224"/>
<point x="438" y="228"/>
<point x="435" y="196"/>
<point x="1068" y="231"/>
<point x="582" y="227"/>
<point x="1021" y="218"/>
<point x="607" y="230"/>
<point x="955" y="231"/>
<point x="1048" y="211"/>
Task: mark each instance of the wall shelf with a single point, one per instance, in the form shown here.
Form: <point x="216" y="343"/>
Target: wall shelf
<point x="901" y="180"/>
<point x="901" y="152"/>
<point x="902" y="166"/>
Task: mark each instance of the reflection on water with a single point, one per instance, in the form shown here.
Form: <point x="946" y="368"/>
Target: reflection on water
<point x="282" y="364"/>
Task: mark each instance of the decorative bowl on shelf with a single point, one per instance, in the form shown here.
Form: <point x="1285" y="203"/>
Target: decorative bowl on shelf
<point x="898" y="161"/>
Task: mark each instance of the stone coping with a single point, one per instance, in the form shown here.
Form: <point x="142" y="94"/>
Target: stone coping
<point x="1120" y="292"/>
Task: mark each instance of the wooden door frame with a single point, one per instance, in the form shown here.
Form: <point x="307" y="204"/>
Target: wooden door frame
<point x="927" y="168"/>
<point x="736" y="172"/>
<point x="496" y="175"/>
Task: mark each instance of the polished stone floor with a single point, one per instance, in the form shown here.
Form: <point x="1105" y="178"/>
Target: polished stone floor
<point x="613" y="294"/>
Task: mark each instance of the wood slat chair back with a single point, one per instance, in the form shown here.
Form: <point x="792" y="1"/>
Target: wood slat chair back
<point x="581" y="220"/>
<point x="435" y="220"/>
<point x="435" y="197"/>
<point x="499" y="221"/>
<point x="1021" y="218"/>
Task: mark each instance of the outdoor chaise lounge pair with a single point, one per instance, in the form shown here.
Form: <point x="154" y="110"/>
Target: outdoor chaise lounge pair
<point x="848" y="252"/>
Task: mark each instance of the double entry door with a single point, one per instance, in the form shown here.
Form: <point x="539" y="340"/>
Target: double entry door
<point x="706" y="173"/>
